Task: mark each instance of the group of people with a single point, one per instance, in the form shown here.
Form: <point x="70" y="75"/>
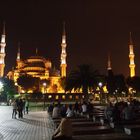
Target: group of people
<point x="20" y="107"/>
<point x="113" y="113"/>
<point x="64" y="130"/>
<point x="122" y="111"/>
<point x="78" y="109"/>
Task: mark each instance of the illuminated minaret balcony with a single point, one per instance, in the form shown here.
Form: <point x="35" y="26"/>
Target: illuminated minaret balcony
<point x="2" y="52"/>
<point x="131" y="58"/>
<point x="63" y="53"/>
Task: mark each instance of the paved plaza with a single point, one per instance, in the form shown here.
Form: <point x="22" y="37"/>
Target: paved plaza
<point x="34" y="126"/>
<point x="38" y="125"/>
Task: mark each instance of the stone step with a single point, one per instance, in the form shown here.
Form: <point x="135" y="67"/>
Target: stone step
<point x="85" y="124"/>
<point x="125" y="123"/>
<point x="108" y="136"/>
<point x="132" y="129"/>
<point x="92" y="130"/>
<point x="75" y="120"/>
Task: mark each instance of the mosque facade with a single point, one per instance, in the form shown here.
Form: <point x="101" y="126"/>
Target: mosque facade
<point x="41" y="68"/>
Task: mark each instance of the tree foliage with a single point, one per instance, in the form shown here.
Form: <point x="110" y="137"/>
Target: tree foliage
<point x="116" y="83"/>
<point x="28" y="82"/>
<point x="8" y="88"/>
<point x="83" y="78"/>
<point x="134" y="82"/>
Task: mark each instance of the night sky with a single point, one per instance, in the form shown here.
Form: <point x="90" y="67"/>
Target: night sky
<point x="93" y="28"/>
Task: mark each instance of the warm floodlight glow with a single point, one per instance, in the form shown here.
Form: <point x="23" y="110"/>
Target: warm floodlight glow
<point x="44" y="84"/>
<point x="1" y="85"/>
<point x="100" y="84"/>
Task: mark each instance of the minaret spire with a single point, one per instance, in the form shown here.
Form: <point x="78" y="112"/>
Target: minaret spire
<point x="63" y="53"/>
<point x="2" y="51"/>
<point x="130" y="39"/>
<point x="36" y="51"/>
<point x="109" y="67"/>
<point x="64" y="34"/>
<point x="18" y="54"/>
<point x="3" y="28"/>
<point x="131" y="57"/>
<point x="109" y="63"/>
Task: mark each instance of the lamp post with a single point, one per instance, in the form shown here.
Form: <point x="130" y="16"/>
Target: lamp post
<point x="100" y="84"/>
<point x="44" y="92"/>
<point x="1" y="87"/>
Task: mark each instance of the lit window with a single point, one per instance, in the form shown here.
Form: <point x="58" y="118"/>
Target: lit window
<point x="57" y="97"/>
<point x="76" y="97"/>
<point x="50" y="96"/>
<point x="63" y="97"/>
<point x="22" y="91"/>
<point x="70" y="96"/>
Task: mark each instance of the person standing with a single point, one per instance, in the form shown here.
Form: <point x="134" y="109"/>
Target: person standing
<point x="20" y="108"/>
<point x="27" y="106"/>
<point x="56" y="112"/>
<point x="14" y="105"/>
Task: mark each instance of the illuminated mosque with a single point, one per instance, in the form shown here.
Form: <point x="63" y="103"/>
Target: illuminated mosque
<point x="38" y="66"/>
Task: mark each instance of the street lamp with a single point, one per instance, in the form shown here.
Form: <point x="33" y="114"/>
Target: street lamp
<point x="44" y="88"/>
<point x="1" y="87"/>
<point x="44" y="92"/>
<point x="100" y="84"/>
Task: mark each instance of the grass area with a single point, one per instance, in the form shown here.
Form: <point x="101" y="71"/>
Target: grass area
<point x="34" y="109"/>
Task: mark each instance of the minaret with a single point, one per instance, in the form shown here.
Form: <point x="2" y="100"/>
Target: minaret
<point x="109" y="63"/>
<point x="18" y="53"/>
<point x="36" y="51"/>
<point x="131" y="57"/>
<point x="63" y="53"/>
<point x="109" y="68"/>
<point x="2" y="52"/>
<point x="19" y="62"/>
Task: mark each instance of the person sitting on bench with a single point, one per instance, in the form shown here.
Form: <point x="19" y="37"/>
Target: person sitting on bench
<point x="64" y="130"/>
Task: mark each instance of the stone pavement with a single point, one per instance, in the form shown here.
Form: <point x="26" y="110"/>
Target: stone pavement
<point x="34" y="126"/>
<point x="38" y="125"/>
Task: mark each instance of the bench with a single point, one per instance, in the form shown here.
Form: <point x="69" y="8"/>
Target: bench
<point x="107" y="136"/>
<point x="85" y="124"/>
<point x="91" y="130"/>
<point x="125" y="122"/>
<point x="132" y="129"/>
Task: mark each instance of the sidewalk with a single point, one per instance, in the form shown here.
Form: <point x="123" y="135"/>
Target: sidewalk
<point x="34" y="126"/>
<point x="39" y="126"/>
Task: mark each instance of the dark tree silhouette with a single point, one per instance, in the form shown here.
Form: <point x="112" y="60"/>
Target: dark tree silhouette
<point x="8" y="89"/>
<point x="116" y="84"/>
<point x="110" y="82"/>
<point x="120" y="84"/>
<point x="134" y="82"/>
<point x="83" y="78"/>
<point x="62" y="82"/>
<point x="28" y="82"/>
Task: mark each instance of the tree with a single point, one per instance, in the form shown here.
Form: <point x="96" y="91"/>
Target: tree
<point x="28" y="82"/>
<point x="110" y="82"/>
<point x="62" y="82"/>
<point x="116" y="84"/>
<point x="8" y="89"/>
<point x="134" y="82"/>
<point x="45" y="83"/>
<point x="83" y="78"/>
<point x="120" y="84"/>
